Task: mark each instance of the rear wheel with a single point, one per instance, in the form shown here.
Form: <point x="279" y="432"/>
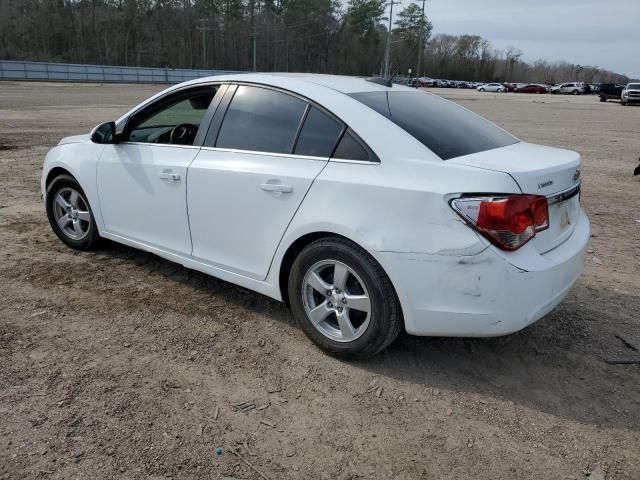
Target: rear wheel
<point x="69" y="213"/>
<point x="575" y="92"/>
<point x="343" y="299"/>
<point x="482" y="89"/>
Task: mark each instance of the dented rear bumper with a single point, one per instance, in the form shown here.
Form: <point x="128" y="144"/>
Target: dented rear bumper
<point x="484" y="294"/>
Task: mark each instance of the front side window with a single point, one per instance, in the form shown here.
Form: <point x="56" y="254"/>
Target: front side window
<point x="319" y="134"/>
<point x="261" y="119"/>
<point x="445" y="128"/>
<point x="171" y="121"/>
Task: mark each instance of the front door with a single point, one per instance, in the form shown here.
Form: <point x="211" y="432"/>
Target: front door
<point x="142" y="181"/>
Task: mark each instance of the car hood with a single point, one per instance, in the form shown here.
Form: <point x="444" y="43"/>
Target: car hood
<point x="74" y="139"/>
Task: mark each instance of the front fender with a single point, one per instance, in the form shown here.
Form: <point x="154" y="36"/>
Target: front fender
<point x="80" y="160"/>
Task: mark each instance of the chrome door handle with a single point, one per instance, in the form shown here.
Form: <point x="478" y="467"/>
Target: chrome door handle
<point x="172" y="177"/>
<point x="276" y="187"/>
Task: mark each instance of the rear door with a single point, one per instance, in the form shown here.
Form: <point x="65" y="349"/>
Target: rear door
<point x="263" y="150"/>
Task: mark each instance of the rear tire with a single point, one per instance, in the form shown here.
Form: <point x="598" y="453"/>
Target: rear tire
<point x="70" y="214"/>
<point x="332" y="284"/>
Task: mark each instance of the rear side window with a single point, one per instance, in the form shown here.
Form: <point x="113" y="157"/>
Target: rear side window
<point x="262" y="120"/>
<point x="444" y="127"/>
<point x="319" y="135"/>
<point x="351" y="149"/>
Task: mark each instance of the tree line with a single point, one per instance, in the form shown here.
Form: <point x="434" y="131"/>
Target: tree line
<point x="323" y="36"/>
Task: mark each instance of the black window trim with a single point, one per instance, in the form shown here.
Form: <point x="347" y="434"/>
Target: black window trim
<point x="303" y="119"/>
<point x="218" y="119"/>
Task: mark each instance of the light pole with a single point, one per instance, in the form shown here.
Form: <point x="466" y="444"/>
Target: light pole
<point x="422" y="22"/>
<point x="387" y="54"/>
<point x="203" y="27"/>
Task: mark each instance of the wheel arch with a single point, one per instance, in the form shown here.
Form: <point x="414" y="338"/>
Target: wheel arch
<point x="290" y="255"/>
<point x="55" y="172"/>
<point x="301" y="242"/>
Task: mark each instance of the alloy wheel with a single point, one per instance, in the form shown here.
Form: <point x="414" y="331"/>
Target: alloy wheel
<point x="71" y="212"/>
<point x="336" y="300"/>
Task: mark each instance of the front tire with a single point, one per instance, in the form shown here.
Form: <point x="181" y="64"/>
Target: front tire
<point x="343" y="299"/>
<point x="70" y="214"/>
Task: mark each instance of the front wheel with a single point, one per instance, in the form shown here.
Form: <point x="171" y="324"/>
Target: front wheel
<point x="69" y="213"/>
<point x="343" y="299"/>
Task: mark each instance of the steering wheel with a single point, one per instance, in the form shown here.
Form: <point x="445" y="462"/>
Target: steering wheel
<point x="183" y="134"/>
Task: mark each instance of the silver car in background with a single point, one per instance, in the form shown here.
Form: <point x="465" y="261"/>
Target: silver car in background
<point x="572" y="88"/>
<point x="492" y="87"/>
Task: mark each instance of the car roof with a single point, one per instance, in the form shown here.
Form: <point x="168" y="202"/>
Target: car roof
<point x="341" y="83"/>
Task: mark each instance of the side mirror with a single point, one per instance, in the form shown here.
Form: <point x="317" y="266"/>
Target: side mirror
<point x="104" y="133"/>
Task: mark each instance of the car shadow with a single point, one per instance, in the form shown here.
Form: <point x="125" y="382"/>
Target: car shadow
<point x="556" y="366"/>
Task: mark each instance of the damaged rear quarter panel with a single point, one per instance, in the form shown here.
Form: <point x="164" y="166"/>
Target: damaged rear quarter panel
<point x="395" y="206"/>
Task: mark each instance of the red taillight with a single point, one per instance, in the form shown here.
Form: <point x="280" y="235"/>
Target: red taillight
<point x="508" y="221"/>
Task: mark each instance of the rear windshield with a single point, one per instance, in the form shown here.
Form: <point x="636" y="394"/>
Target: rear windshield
<point x="444" y="127"/>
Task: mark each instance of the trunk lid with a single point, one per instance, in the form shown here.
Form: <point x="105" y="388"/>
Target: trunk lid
<point x="539" y="170"/>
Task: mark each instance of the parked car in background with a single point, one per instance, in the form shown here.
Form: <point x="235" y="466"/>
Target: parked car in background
<point x="413" y="82"/>
<point x="285" y="185"/>
<point x="492" y="87"/>
<point x="510" y="87"/>
<point x="630" y="94"/>
<point x="610" y="91"/>
<point x="567" y="88"/>
<point x="531" y="88"/>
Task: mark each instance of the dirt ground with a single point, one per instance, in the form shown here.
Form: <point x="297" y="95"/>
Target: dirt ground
<point x="117" y="364"/>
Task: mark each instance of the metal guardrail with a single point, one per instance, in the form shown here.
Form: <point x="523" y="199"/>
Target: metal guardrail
<point x="18" y="70"/>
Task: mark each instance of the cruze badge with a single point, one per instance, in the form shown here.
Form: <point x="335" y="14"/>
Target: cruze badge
<point x="545" y="184"/>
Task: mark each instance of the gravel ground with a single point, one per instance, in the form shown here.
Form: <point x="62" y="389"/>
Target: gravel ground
<point x="118" y="364"/>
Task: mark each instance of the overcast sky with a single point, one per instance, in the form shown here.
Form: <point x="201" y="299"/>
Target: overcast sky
<point x="603" y="33"/>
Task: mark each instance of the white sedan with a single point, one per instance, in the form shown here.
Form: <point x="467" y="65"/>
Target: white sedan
<point x="369" y="208"/>
<point x="492" y="87"/>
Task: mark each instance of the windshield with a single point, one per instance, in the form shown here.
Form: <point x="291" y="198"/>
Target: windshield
<point x="634" y="86"/>
<point x="445" y="128"/>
